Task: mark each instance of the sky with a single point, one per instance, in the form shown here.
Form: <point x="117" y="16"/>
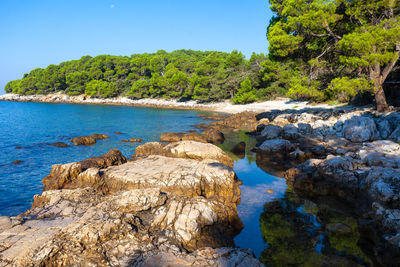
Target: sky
<point x="37" y="33"/>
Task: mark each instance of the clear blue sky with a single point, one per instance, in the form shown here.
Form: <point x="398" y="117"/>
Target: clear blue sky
<point x="36" y="33"/>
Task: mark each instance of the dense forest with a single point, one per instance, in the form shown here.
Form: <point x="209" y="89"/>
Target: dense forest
<point x="186" y="74"/>
<point x="319" y="50"/>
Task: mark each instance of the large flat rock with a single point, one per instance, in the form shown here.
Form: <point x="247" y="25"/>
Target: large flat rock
<point x="186" y="177"/>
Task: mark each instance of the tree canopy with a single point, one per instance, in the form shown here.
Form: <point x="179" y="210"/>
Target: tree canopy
<point x="188" y="74"/>
<point x="339" y="47"/>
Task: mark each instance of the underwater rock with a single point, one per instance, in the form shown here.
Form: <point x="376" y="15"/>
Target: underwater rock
<point x="59" y="144"/>
<point x="88" y="139"/>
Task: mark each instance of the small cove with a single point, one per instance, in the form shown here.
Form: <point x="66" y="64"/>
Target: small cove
<point x="278" y="224"/>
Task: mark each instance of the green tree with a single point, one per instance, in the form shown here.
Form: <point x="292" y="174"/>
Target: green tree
<point x="101" y="89"/>
<point x="337" y="38"/>
<point x="245" y="94"/>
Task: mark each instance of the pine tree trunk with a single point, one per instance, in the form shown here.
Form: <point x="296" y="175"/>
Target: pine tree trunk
<point x="380" y="99"/>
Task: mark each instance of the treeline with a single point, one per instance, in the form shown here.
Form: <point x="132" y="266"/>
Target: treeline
<point x="187" y="74"/>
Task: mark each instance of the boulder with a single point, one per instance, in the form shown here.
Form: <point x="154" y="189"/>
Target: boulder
<point x="111" y="158"/>
<point x="176" y="137"/>
<point x="395" y="136"/>
<point x="239" y="149"/>
<point x="88" y="139"/>
<point x="271" y="131"/>
<point x="304" y="128"/>
<point x="150" y="148"/>
<point x="276" y="146"/>
<point x="186" y="149"/>
<point x="290" y="132"/>
<point x="360" y="129"/>
<point x="384" y="128"/>
<point x="213" y="136"/>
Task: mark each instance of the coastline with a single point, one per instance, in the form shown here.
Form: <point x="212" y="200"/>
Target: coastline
<point x="223" y="107"/>
<point x="314" y="148"/>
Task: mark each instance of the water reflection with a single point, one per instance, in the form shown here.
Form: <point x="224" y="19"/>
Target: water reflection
<point x="284" y="229"/>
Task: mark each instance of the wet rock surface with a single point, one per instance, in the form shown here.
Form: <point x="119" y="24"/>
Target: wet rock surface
<point x="157" y="210"/>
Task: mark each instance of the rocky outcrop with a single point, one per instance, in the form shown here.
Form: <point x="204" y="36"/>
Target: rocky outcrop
<point x="213" y="136"/>
<point x="88" y="140"/>
<point x="176" y="137"/>
<point x="185" y="149"/>
<point x="203" y="257"/>
<point x="153" y="210"/>
<point x="79" y="174"/>
<point x="244" y="120"/>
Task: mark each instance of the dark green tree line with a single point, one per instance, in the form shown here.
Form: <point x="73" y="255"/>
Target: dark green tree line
<point x="187" y="74"/>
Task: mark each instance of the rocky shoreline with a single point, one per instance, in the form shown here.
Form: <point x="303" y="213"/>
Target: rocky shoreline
<point x="176" y="203"/>
<point x="224" y="107"/>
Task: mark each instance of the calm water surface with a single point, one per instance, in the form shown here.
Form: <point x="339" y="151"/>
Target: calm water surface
<point x="280" y="227"/>
<point x="26" y="129"/>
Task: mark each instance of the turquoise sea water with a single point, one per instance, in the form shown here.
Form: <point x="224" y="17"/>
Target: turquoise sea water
<point x="278" y="224"/>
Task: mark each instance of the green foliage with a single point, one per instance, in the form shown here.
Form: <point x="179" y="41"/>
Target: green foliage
<point x="326" y="39"/>
<point x="304" y="88"/>
<point x="245" y="94"/>
<point x="101" y="89"/>
<point x="188" y="74"/>
<point x="342" y="89"/>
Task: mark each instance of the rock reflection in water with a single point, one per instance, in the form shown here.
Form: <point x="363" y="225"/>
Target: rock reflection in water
<point x="302" y="233"/>
<point x="284" y="229"/>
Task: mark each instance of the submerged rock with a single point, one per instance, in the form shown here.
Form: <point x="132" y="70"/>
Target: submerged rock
<point x="132" y="140"/>
<point x="88" y="139"/>
<point x="59" y="144"/>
